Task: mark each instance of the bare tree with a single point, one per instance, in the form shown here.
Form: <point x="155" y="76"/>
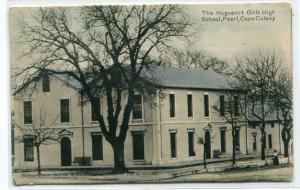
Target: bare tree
<point x="40" y="132"/>
<point x="255" y="74"/>
<point x="201" y="141"/>
<point x="231" y="106"/>
<point x="283" y="99"/>
<point x="107" y="52"/>
<point x="197" y="60"/>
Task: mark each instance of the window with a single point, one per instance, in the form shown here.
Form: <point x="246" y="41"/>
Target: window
<point x="223" y="140"/>
<point x="236" y="105"/>
<point x="222" y="112"/>
<point x="190" y="105"/>
<point x="64" y="110"/>
<point x="173" y="144"/>
<point x="191" y="143"/>
<point x="97" y="147"/>
<point x="137" y="107"/>
<point x="28" y="149"/>
<point x="172" y="105"/>
<point x="46" y="83"/>
<point x="95" y="109"/>
<point x="254" y="146"/>
<point x="206" y="106"/>
<point x="27" y="112"/>
<point x="270" y="141"/>
<point x="272" y="124"/>
<point x="138" y="145"/>
<point x="237" y="140"/>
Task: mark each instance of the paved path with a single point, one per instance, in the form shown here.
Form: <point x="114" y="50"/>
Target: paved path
<point x="245" y="175"/>
<point x="188" y="174"/>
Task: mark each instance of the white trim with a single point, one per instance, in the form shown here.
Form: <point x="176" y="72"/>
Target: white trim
<point x="191" y="129"/>
<point x="222" y="128"/>
<point x="172" y="130"/>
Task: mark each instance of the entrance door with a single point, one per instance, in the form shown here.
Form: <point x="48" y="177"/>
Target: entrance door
<point x="65" y="152"/>
<point x="207" y="145"/>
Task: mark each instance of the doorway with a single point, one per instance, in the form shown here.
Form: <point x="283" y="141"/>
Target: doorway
<point x="65" y="152"/>
<point x="207" y="145"/>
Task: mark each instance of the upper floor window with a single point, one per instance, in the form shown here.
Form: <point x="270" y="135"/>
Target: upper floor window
<point x="64" y="110"/>
<point x="137" y="112"/>
<point x="95" y="109"/>
<point x="206" y="105"/>
<point x="28" y="149"/>
<point x="270" y="141"/>
<point x="172" y="105"/>
<point x="272" y="124"/>
<point x="27" y="112"/>
<point x="222" y="111"/>
<point x="236" y="105"/>
<point x="46" y="83"/>
<point x="190" y="105"/>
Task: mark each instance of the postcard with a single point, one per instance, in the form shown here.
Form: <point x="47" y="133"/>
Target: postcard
<point x="163" y="93"/>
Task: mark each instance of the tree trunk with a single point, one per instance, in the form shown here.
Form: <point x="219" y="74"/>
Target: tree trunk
<point x="39" y="160"/>
<point x="286" y="141"/>
<point x="119" y="163"/>
<point x="263" y="145"/>
<point x="233" y="148"/>
<point x="286" y="148"/>
<point x="204" y="156"/>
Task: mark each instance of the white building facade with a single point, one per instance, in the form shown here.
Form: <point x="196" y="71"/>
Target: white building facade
<point x="163" y="131"/>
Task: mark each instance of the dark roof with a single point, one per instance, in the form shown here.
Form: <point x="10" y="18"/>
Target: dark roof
<point x="191" y="79"/>
<point x="170" y="77"/>
<point x="270" y="116"/>
<point x="68" y="81"/>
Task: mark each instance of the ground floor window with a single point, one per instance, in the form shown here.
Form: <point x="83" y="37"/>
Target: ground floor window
<point x="254" y="143"/>
<point x="97" y="147"/>
<point x="237" y="139"/>
<point x="28" y="149"/>
<point x="138" y="145"/>
<point x="223" y="140"/>
<point x="173" y="144"/>
<point x="191" y="143"/>
<point x="270" y="141"/>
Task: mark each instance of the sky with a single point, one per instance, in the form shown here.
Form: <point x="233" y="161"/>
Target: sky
<point x="227" y="40"/>
<point x="230" y="40"/>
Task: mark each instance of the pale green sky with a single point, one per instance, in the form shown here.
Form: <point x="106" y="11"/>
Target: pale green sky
<point x="237" y="39"/>
<point x="227" y="40"/>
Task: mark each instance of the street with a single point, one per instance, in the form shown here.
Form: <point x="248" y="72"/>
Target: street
<point x="236" y="175"/>
<point x="243" y="175"/>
